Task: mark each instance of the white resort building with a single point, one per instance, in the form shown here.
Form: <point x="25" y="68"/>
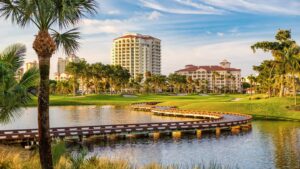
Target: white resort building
<point x="137" y="53"/>
<point x="216" y="77"/>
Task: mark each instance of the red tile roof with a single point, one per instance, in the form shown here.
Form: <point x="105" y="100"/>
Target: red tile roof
<point x="190" y="68"/>
<point x="136" y="36"/>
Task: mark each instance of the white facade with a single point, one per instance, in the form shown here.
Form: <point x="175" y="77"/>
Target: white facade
<point x="137" y="53"/>
<point x="30" y="65"/>
<point x="61" y="66"/>
<point x="215" y="77"/>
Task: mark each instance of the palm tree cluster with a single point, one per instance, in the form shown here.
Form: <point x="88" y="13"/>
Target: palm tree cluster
<point x="15" y="89"/>
<point x="85" y="78"/>
<point x="98" y="78"/>
<point x="279" y="76"/>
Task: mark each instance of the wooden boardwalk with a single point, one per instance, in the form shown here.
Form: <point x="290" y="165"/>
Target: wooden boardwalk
<point x="208" y="121"/>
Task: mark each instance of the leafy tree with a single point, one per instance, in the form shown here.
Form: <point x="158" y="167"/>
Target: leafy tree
<point x="119" y="77"/>
<point x="46" y="15"/>
<point x="64" y="87"/>
<point x="176" y="81"/>
<point x="52" y="86"/>
<point x="285" y="52"/>
<point x="14" y="93"/>
<point x="98" y="72"/>
<point x="266" y="76"/>
<point x="215" y="75"/>
<point x="76" y="70"/>
<point x="190" y="84"/>
<point x="158" y="82"/>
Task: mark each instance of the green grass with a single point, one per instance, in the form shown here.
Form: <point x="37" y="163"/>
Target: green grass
<point x="273" y="108"/>
<point x="17" y="158"/>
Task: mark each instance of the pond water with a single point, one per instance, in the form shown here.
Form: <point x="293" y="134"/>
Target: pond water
<point x="270" y="144"/>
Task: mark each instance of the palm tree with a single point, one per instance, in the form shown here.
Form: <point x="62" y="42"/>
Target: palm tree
<point x="158" y="82"/>
<point x="292" y="55"/>
<point x="176" y="81"/>
<point x="283" y="50"/>
<point x="14" y="93"/>
<point x="119" y="77"/>
<point x="98" y="73"/>
<point x="64" y="87"/>
<point x="214" y="77"/>
<point x="46" y="15"/>
<point x="251" y="79"/>
<point x="190" y="84"/>
<point x="76" y="70"/>
<point x="52" y="86"/>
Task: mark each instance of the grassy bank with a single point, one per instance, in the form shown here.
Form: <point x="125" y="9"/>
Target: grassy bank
<point x="260" y="108"/>
<point x="18" y="158"/>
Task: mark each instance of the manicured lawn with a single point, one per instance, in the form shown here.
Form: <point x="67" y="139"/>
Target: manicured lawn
<point x="274" y="108"/>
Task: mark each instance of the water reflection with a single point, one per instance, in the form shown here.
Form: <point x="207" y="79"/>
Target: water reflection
<point x="285" y="140"/>
<point x="268" y="145"/>
<point x="63" y="116"/>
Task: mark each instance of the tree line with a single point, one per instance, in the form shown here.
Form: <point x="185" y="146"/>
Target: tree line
<point x="278" y="76"/>
<point x="96" y="78"/>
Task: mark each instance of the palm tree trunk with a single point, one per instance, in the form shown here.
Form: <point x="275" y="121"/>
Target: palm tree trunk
<point x="281" y="92"/>
<point x="43" y="114"/>
<point x="44" y="46"/>
<point x="294" y="90"/>
<point x="74" y="85"/>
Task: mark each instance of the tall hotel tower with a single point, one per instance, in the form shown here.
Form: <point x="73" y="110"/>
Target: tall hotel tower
<point x="137" y="53"/>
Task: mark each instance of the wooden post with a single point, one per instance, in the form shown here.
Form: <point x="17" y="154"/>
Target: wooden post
<point x="176" y="134"/>
<point x="218" y="131"/>
<point x="156" y="135"/>
<point x="112" y="137"/>
<point x="235" y="129"/>
<point x="199" y="133"/>
<point x="80" y="138"/>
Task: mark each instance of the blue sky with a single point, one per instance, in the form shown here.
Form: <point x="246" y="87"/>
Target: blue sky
<point x="200" y="32"/>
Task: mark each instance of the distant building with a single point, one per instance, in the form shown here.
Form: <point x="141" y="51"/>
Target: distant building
<point x="137" y="53"/>
<point x="29" y="65"/>
<point x="19" y="74"/>
<point x="215" y="77"/>
<point x="61" y="66"/>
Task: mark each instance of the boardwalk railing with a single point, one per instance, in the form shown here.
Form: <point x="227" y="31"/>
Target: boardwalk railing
<point x="209" y="120"/>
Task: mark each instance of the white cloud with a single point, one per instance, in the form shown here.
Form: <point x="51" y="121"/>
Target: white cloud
<point x="234" y="30"/>
<point x="108" y="26"/>
<point x="113" y="12"/>
<point x="221" y="34"/>
<point x="154" y="15"/>
<point x="153" y="4"/>
<point x="208" y="32"/>
<point x="289" y="7"/>
<point x="238" y="53"/>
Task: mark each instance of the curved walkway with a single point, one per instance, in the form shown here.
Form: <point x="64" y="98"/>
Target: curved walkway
<point x="209" y="121"/>
<point x="173" y="111"/>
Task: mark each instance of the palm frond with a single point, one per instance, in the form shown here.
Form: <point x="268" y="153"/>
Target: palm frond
<point x="71" y="11"/>
<point x="13" y="56"/>
<point x="14" y="94"/>
<point x="28" y="9"/>
<point x="68" y="41"/>
<point x="9" y="9"/>
<point x="20" y="12"/>
<point x="30" y="78"/>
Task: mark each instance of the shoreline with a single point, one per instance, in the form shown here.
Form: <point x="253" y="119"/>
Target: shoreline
<point x="260" y="109"/>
